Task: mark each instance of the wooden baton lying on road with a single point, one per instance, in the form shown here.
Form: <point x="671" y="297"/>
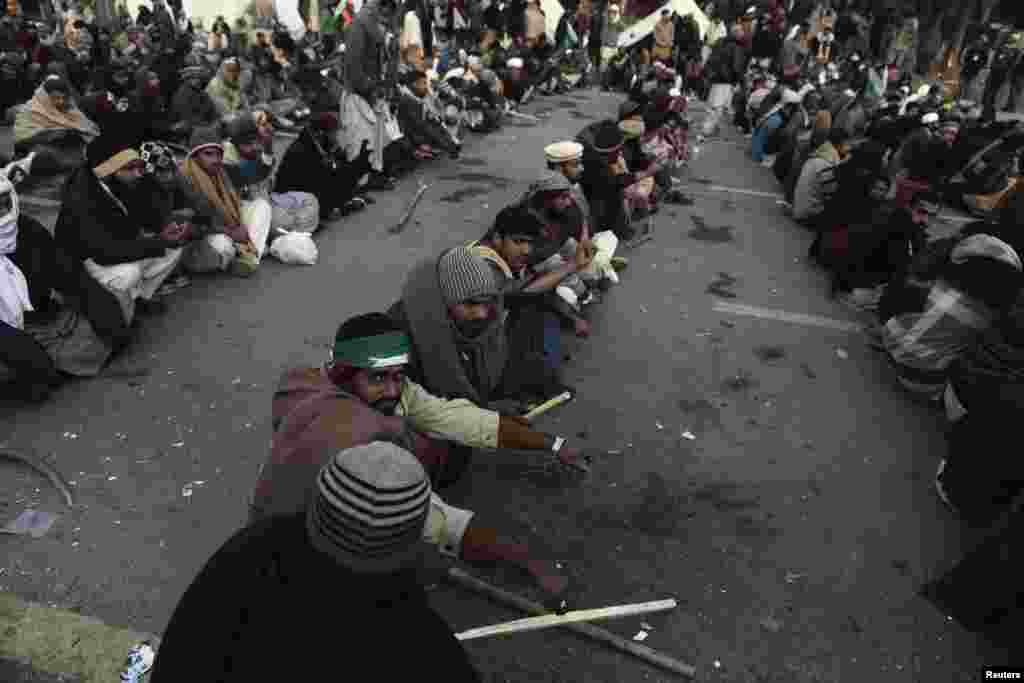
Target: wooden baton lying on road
<point x="400" y="225"/>
<point x="649" y="655"/>
<point x="520" y="115"/>
<point x="574" y="617"/>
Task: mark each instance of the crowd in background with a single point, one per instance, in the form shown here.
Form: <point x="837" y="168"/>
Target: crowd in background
<point x="175" y="152"/>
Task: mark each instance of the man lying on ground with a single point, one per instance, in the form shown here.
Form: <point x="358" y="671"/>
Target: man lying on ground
<point x="351" y="552"/>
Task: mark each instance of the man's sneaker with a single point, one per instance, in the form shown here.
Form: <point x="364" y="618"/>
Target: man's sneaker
<point x="140" y="661"/>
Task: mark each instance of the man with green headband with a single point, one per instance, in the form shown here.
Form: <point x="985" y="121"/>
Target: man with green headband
<point x="363" y="395"/>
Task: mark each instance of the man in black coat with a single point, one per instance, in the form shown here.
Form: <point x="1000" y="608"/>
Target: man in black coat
<point x="94" y="226"/>
<point x="350" y="557"/>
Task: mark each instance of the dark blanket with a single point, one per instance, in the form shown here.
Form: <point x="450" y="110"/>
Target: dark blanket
<point x="308" y="166"/>
<point x="93" y="224"/>
<point x="245" y="617"/>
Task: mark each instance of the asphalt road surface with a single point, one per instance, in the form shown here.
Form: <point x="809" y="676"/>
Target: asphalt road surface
<point x="768" y="474"/>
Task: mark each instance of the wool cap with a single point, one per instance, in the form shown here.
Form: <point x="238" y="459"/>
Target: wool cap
<point x="608" y="139"/>
<point x="56" y="84"/>
<point x="108" y="154"/>
<point x="629" y="108"/>
<point x="369" y="508"/>
<point x="208" y="136"/>
<point x="560" y="152"/>
<point x="462" y="276"/>
<point x="243" y="130"/>
<point x="550" y="181"/>
<point x="515" y="63"/>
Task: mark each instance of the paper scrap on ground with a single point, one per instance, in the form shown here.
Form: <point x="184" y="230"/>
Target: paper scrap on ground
<point x="786" y="316"/>
<point x="35" y="523"/>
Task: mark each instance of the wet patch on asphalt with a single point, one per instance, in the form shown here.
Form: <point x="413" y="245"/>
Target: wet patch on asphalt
<point x="702" y="413"/>
<point x="769" y="354"/>
<point x="581" y="116"/>
<point x="470" y="177"/>
<point x="462" y="195"/>
<point x="520" y="123"/>
<point x="472" y="161"/>
<point x="569" y="103"/>
<point x="722" y="286"/>
<point x="707" y="233"/>
<point x="723" y="497"/>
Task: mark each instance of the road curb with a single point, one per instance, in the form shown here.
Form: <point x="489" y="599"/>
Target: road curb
<point x="61" y="642"/>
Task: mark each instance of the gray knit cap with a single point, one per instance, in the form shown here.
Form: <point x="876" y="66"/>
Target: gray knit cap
<point x="370" y="505"/>
<point x="462" y="275"/>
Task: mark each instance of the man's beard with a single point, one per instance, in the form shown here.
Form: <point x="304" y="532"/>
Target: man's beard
<point x="472" y="329"/>
<point x="386" y="406"/>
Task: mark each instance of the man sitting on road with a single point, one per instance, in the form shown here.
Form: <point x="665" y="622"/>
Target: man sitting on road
<point x="215" y="200"/>
<point x="566" y="158"/>
<point x="606" y="179"/>
<point x="249" y="161"/>
<point x="363" y="394"/>
<point x="454" y="312"/>
<point x="817" y="180"/>
<point x="94" y="225"/>
<point x="420" y="115"/>
<point x="351" y="553"/>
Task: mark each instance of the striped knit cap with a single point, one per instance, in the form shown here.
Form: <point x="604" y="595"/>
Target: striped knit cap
<point x="462" y="275"/>
<point x="369" y="508"/>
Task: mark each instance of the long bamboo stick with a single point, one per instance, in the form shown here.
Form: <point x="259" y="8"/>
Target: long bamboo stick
<point x="574" y="617"/>
<point x="647" y="654"/>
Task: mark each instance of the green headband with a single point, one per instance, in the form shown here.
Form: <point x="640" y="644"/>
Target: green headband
<point x="378" y="351"/>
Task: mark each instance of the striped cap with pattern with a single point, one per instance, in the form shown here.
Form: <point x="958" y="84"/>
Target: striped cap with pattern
<point x="369" y="508"/>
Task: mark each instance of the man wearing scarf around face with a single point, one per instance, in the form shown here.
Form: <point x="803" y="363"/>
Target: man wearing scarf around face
<point x="94" y="225"/>
<point x="215" y="199"/>
<point x="454" y="313"/>
<point x="33" y="371"/>
<point x="363" y="394"/>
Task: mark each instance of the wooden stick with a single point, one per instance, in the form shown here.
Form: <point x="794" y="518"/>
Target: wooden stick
<point x="576" y="616"/>
<point x="649" y="655"/>
<point x="519" y="115"/>
<point x="638" y="241"/>
<point x="400" y="225"/>
<point x="548" y="405"/>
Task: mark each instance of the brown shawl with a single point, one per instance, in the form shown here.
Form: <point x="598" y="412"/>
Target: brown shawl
<point x="219" y="191"/>
<point x="41" y="115"/>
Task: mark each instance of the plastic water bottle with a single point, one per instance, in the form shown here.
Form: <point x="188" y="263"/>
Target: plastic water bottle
<point x="139" y="662"/>
<point x="696" y="149"/>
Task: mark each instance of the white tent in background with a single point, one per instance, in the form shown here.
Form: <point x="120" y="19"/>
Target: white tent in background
<point x="645" y="26"/>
